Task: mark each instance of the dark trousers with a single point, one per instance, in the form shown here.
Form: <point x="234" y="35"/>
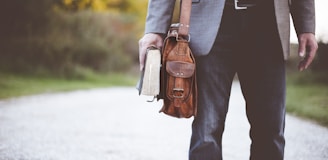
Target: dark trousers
<point x="247" y="44"/>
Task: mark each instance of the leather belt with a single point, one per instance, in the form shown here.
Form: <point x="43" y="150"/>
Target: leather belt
<point x="241" y="4"/>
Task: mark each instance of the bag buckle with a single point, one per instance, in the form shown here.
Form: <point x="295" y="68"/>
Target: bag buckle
<point x="178" y="93"/>
<point x="237" y="7"/>
<point x="184" y="38"/>
<point x="178" y="38"/>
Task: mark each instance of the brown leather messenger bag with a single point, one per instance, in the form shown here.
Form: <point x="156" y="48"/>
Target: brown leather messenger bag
<point x="178" y="72"/>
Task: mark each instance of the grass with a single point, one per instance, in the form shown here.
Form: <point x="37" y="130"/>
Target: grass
<point x="15" y="85"/>
<point x="308" y="98"/>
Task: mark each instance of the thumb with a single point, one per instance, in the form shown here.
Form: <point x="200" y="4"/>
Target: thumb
<point x="302" y="48"/>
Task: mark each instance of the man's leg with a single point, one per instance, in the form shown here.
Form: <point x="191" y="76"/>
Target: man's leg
<point x="261" y="71"/>
<point x="215" y="73"/>
<point x="214" y="85"/>
<point x="263" y="87"/>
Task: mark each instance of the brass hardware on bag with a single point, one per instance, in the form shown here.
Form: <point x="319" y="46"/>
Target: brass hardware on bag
<point x="174" y="32"/>
<point x="178" y="93"/>
<point x="183" y="39"/>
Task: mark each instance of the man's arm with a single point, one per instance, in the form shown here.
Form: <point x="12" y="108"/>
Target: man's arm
<point x="159" y="17"/>
<point x="303" y="14"/>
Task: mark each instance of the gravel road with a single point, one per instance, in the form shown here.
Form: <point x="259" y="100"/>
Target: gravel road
<point x="117" y="124"/>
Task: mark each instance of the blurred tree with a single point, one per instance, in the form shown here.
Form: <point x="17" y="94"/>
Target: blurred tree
<point x="75" y="5"/>
<point x="55" y="36"/>
<point x="135" y="9"/>
<point x="23" y="17"/>
<point x="62" y="36"/>
<point x="120" y="6"/>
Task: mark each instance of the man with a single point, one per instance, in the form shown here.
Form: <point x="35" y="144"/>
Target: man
<point x="250" y="38"/>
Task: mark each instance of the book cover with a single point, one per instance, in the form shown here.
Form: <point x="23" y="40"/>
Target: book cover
<point x="149" y="83"/>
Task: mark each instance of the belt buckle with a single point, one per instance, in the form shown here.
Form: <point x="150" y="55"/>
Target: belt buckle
<point x="237" y="7"/>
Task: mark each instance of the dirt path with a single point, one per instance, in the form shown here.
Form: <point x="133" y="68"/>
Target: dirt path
<point x="116" y="124"/>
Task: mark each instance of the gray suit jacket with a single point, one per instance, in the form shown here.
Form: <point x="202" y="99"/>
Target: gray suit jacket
<point x="206" y="18"/>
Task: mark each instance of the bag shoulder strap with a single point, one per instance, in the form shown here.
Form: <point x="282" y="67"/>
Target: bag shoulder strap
<point x="185" y="17"/>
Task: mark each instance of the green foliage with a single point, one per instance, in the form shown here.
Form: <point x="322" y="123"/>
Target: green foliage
<point x="308" y="78"/>
<point x="307" y="91"/>
<point x="136" y="8"/>
<point x="72" y="42"/>
<point x="13" y="85"/>
<point x="308" y="101"/>
<point x="23" y="17"/>
<point x="101" y="5"/>
<point x="43" y="40"/>
<point x="317" y="72"/>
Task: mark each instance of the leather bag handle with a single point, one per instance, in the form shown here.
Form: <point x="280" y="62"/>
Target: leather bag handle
<point x="185" y="11"/>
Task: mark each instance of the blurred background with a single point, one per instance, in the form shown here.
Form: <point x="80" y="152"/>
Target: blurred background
<point x="69" y="37"/>
<point x="60" y="45"/>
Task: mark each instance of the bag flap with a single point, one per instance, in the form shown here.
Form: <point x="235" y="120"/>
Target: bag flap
<point x="180" y="69"/>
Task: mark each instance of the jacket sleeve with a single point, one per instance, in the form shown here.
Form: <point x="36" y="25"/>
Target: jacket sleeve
<point x="159" y="16"/>
<point x="303" y="14"/>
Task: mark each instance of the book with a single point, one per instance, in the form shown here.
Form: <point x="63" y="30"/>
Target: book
<point x="149" y="83"/>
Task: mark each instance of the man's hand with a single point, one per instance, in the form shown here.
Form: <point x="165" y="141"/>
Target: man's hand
<point x="148" y="40"/>
<point x="307" y="49"/>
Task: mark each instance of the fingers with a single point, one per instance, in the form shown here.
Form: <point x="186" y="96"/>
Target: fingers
<point x="142" y="54"/>
<point x="145" y="42"/>
<point x="302" y="48"/>
<point x="307" y="50"/>
<point x="305" y="63"/>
